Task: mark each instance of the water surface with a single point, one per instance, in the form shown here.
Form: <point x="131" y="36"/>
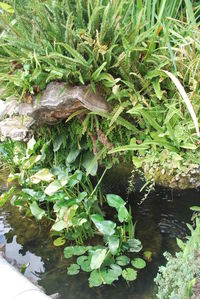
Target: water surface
<point x="160" y="219"/>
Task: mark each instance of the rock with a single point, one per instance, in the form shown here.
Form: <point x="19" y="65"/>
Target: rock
<point x="182" y="180"/>
<point x="16" y="128"/>
<point x="8" y="108"/>
<point x="58" y="101"/>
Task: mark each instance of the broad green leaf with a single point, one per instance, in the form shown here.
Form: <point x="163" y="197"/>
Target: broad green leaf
<point x="59" y="226"/>
<point x="115" y="201"/>
<point x="98" y="258"/>
<point x="73" y="154"/>
<point x="84" y="262"/>
<point x="123" y="214"/>
<point x="134" y="245"/>
<point x="30" y="145"/>
<point x="74" y="250"/>
<point x="42" y="175"/>
<point x="95" y="279"/>
<point x="109" y="276"/>
<point x="113" y="244"/>
<point x="53" y="188"/>
<point x="138" y="263"/>
<point x="57" y="142"/>
<point x="37" y="211"/>
<point x="117" y="269"/>
<point x="73" y="269"/>
<point x="90" y="163"/>
<point x="129" y="274"/>
<point x="122" y="260"/>
<point x="59" y="241"/>
<point x="106" y="227"/>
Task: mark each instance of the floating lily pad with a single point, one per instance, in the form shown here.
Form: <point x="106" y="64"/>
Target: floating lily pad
<point x="129" y="274"/>
<point x="59" y="241"/>
<point x="73" y="269"/>
<point x="95" y="280"/>
<point x="122" y="260"/>
<point x="138" y="263"/>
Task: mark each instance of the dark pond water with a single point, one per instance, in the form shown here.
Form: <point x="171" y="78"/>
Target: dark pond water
<point x="160" y="219"/>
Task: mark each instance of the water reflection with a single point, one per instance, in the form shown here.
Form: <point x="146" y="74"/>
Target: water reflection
<point x="160" y="219"/>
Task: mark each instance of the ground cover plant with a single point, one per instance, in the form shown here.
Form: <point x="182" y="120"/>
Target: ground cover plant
<point x="180" y="277"/>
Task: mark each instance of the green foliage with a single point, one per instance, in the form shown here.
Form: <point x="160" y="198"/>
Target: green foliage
<point x="121" y="47"/>
<point x="178" y="278"/>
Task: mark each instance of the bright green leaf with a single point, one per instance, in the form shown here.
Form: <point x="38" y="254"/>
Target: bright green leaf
<point x="129" y="274"/>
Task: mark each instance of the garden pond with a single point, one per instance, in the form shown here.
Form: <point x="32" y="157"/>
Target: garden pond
<point x="160" y="219"/>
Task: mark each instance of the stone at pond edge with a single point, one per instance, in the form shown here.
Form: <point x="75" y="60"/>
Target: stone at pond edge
<point x="58" y="101"/>
<point x="182" y="180"/>
<point x="17" y="128"/>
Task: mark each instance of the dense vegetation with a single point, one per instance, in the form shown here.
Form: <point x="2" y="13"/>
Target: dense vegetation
<point x="123" y="48"/>
<point x="144" y="58"/>
<point x="180" y="277"/>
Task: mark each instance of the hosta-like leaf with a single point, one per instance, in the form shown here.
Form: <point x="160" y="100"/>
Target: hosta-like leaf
<point x="42" y="175"/>
<point x="98" y="258"/>
<point x="37" y="211"/>
<point x="106" y="227"/>
<point x="123" y="214"/>
<point x="115" y="201"/>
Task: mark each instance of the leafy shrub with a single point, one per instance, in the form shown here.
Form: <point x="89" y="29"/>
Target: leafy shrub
<point x="177" y="279"/>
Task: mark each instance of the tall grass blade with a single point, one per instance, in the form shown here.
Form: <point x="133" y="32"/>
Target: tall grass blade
<point x="185" y="99"/>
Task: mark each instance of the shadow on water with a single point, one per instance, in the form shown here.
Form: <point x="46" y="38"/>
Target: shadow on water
<point x="160" y="219"/>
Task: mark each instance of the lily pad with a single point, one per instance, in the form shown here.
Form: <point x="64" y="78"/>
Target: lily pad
<point x="74" y="250"/>
<point x="138" y="263"/>
<point x="122" y="260"/>
<point x="84" y="262"/>
<point x="59" y="241"/>
<point x="129" y="274"/>
<point x="134" y="245"/>
<point x="73" y="269"/>
<point x="95" y="280"/>
<point x="109" y="276"/>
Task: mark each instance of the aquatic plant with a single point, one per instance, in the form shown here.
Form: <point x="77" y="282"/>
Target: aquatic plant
<point x="65" y="195"/>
